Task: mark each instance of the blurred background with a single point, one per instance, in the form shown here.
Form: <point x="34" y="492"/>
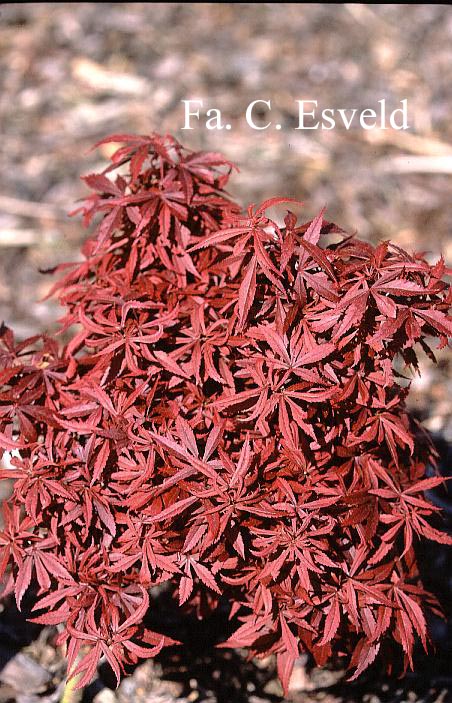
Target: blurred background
<point x="72" y="73"/>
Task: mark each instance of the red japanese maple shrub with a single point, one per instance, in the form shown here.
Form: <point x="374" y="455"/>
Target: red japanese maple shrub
<point x="227" y="417"/>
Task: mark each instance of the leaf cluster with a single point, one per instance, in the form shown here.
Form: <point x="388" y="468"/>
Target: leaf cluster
<point x="228" y="418"/>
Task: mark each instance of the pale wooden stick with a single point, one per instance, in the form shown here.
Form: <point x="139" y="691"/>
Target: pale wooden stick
<point x="416" y="164"/>
<point x="28" y="208"/>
